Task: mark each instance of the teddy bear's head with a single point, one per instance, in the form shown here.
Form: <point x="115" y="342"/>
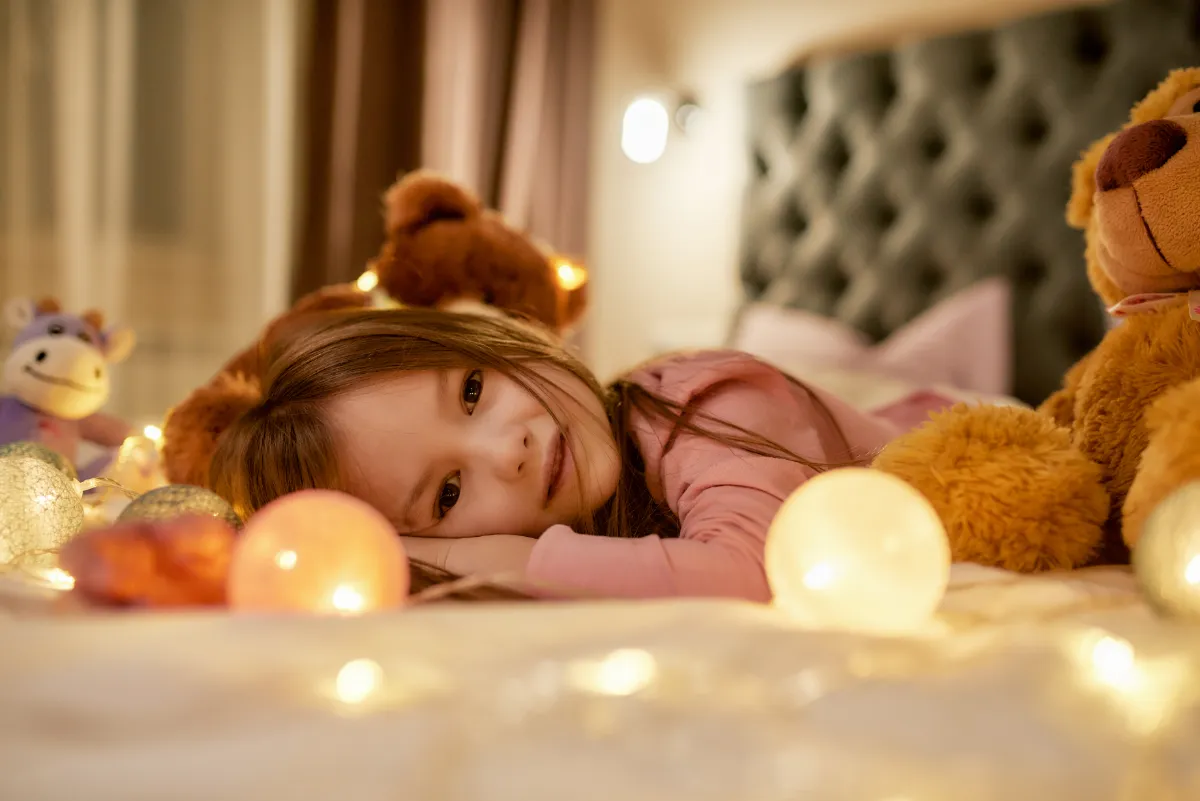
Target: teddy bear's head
<point x="1136" y="193"/>
<point x="444" y="248"/>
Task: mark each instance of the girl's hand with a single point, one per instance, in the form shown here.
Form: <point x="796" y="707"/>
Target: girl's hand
<point x="473" y="556"/>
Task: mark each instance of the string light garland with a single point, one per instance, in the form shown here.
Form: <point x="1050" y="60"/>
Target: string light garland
<point x="40" y="509"/>
<point x="179" y="500"/>
<point x="321" y="552"/>
<point x="1166" y="559"/>
<point x="860" y="550"/>
<point x="35" y="450"/>
<point x="138" y="465"/>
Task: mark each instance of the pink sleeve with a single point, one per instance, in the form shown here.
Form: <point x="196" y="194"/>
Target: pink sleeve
<point x="725" y="498"/>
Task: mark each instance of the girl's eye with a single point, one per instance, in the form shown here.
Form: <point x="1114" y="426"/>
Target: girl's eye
<point x="448" y="496"/>
<point x="472" y="390"/>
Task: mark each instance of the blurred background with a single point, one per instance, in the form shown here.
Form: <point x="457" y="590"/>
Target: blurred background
<point x="190" y="166"/>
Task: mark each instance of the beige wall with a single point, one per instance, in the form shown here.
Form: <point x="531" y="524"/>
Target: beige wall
<point x="663" y="242"/>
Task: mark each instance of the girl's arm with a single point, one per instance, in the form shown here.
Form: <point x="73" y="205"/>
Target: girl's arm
<point x="725" y="498"/>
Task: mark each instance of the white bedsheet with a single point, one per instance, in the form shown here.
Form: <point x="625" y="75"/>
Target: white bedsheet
<point x="1025" y="692"/>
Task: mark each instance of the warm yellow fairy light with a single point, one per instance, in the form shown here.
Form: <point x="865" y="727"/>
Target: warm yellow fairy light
<point x="1146" y="690"/>
<point x="1113" y="662"/>
<point x="1166" y="558"/>
<point x="347" y="599"/>
<point x="570" y="276"/>
<point x="286" y="559"/>
<point x="622" y="672"/>
<point x="858" y="549"/>
<point x="153" y="432"/>
<point x="367" y="281"/>
<point x="358" y="680"/>
<point x="60" y="579"/>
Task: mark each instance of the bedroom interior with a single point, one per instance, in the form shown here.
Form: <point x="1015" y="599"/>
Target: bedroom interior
<point x="869" y="194"/>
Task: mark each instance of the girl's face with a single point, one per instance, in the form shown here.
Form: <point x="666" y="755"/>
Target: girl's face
<point x="466" y="453"/>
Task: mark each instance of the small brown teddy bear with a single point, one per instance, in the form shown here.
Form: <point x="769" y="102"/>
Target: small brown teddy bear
<point x="1071" y="484"/>
<point x="443" y="249"/>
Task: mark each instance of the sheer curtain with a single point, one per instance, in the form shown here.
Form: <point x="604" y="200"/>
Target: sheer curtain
<point x="147" y="168"/>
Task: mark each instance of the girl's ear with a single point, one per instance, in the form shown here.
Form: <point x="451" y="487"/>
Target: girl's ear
<point x="19" y="312"/>
<point x="118" y="344"/>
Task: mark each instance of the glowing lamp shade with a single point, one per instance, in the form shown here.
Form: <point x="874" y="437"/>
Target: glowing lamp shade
<point x="644" y="130"/>
<point x="858" y="550"/>
<point x="318" y="551"/>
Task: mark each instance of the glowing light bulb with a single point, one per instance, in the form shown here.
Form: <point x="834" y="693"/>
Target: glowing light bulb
<point x="358" y="680"/>
<point x="153" y="433"/>
<point x="570" y="276"/>
<point x="1166" y="558"/>
<point x="318" y="551"/>
<point x="623" y="672"/>
<point x="644" y="130"/>
<point x="367" y="281"/>
<point x="1113" y="662"/>
<point x="347" y="599"/>
<point x="59" y="579"/>
<point x="40" y="509"/>
<point x="860" y="550"/>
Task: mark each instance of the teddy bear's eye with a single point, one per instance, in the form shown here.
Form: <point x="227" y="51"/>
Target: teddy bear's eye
<point x="55" y="329"/>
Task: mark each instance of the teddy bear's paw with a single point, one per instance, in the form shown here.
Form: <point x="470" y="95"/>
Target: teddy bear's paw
<point x="1010" y="488"/>
<point x="1171" y="458"/>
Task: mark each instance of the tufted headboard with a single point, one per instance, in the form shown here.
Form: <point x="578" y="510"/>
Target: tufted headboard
<point x="883" y="182"/>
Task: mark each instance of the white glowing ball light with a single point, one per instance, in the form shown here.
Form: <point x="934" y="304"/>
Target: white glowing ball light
<point x="320" y="552"/>
<point x="858" y="550"/>
<point x="644" y="130"/>
<point x="40" y="509"/>
<point x="1166" y="559"/>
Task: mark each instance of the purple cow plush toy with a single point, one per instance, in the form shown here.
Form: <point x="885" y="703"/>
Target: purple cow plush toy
<point x="56" y="380"/>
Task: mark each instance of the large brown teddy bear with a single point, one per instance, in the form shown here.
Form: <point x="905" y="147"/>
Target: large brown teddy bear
<point x="1071" y="484"/>
<point x="443" y="249"/>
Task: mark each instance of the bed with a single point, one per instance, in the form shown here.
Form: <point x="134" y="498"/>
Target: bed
<point x="871" y="203"/>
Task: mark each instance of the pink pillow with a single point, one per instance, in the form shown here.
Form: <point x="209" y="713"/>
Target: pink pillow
<point x="962" y="342"/>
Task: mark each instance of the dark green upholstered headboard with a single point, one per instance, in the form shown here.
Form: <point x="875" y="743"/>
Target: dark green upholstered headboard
<point x="883" y="182"/>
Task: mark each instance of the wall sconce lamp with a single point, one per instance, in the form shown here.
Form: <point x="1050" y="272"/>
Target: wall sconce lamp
<point x="646" y="125"/>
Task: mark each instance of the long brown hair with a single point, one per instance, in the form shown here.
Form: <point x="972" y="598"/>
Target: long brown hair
<point x="285" y="444"/>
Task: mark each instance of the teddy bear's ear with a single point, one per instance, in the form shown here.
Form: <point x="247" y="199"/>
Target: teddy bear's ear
<point x="1083" y="184"/>
<point x="1157" y="104"/>
<point x="422" y="197"/>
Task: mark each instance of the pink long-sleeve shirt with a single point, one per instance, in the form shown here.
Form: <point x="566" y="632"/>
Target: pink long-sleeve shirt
<point x="724" y="498"/>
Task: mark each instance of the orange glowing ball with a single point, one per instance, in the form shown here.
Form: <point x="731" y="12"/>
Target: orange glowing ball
<point x="321" y="552"/>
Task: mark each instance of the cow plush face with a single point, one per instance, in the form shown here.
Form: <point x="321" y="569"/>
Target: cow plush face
<point x="59" y="362"/>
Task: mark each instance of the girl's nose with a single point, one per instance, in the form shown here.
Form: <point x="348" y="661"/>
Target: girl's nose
<point x="511" y="453"/>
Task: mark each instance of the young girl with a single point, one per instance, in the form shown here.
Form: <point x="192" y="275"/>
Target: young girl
<point x="494" y="451"/>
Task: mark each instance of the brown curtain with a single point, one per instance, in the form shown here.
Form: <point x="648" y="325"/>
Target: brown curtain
<point x="508" y="89"/>
<point x="364" y="102"/>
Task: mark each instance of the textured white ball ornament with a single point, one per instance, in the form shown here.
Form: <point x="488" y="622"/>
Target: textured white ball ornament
<point x="1166" y="559"/>
<point x="40" y="509"/>
<point x="858" y="550"/>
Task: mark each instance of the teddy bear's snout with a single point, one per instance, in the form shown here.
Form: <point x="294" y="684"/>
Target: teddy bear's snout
<point x="1138" y="151"/>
